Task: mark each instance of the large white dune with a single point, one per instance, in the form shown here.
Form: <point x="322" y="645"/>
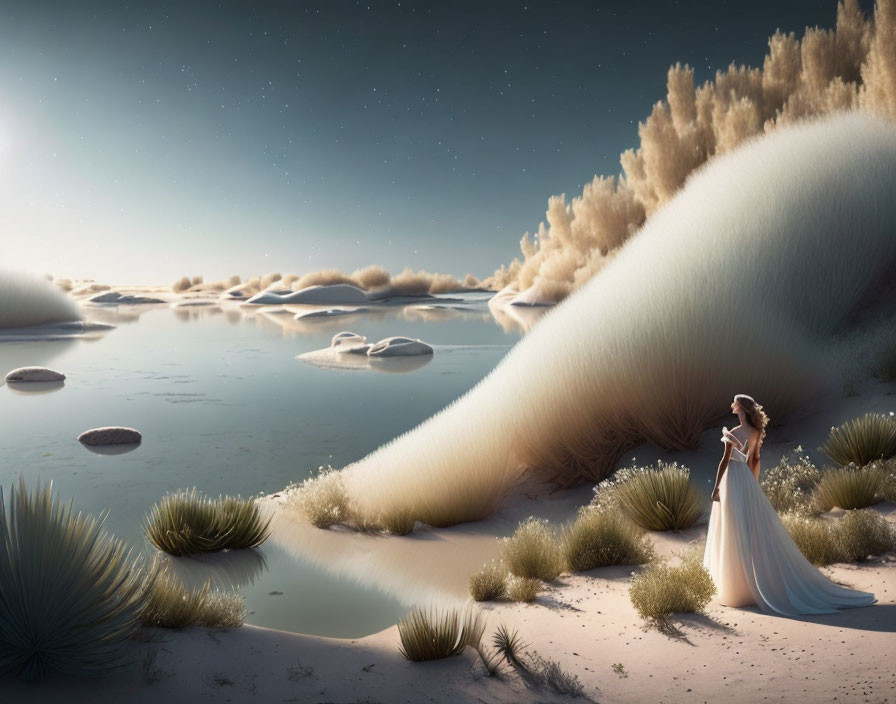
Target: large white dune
<point x="27" y="300"/>
<point x="734" y="286"/>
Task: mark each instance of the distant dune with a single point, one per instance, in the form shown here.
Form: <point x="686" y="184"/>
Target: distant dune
<point x="736" y="285"/>
<point x="27" y="300"/>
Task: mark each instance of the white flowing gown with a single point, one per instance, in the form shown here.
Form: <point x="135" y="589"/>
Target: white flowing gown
<point x="753" y="560"/>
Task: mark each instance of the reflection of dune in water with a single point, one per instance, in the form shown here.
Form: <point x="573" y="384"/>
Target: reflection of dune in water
<point x="514" y="318"/>
<point x="226" y="570"/>
<point x="439" y="313"/>
<point x="414" y="569"/>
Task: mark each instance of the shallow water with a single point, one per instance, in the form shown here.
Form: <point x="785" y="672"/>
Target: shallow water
<point x="224" y="405"/>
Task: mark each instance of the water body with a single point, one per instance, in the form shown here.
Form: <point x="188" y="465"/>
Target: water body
<point x="225" y="406"/>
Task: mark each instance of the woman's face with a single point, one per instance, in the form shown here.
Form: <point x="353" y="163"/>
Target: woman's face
<point x="734" y="407"/>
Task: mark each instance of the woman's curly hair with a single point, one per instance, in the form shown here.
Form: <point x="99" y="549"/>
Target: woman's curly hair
<point x="754" y="414"/>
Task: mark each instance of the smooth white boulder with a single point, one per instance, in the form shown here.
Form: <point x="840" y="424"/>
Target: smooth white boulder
<point x="398" y="347"/>
<point x="335" y="293"/>
<point x="24" y="374"/>
<point x="349" y="343"/>
<point x="110" y="435"/>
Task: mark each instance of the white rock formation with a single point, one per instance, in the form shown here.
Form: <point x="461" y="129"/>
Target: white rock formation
<point x="25" y="374"/>
<point x="110" y="435"/>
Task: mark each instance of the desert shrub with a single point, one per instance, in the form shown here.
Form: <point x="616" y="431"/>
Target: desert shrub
<point x="862" y="440"/>
<point x="523" y="588"/>
<point x="656" y="498"/>
<point x="604" y="537"/>
<point x="790" y="484"/>
<point x="533" y="551"/>
<point x="853" y="538"/>
<point x="323" y="498"/>
<point x="434" y="633"/>
<point x="489" y="583"/>
<point x="887" y="470"/>
<point x="185" y="523"/>
<point x="541" y="671"/>
<point x="662" y="590"/>
<point x="849" y="487"/>
<point x="170" y="604"/>
<point x="182" y="284"/>
<point x="69" y="594"/>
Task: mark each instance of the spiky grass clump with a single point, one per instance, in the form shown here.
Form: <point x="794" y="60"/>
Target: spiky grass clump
<point x="398" y="521"/>
<point x="862" y="440"/>
<point x="523" y="588"/>
<point x="170" y="604"/>
<point x="435" y="633"/>
<point x="489" y="583"/>
<point x="656" y="498"/>
<point x="853" y="538"/>
<point x="323" y="498"/>
<point x="790" y="484"/>
<point x="542" y="671"/>
<point x="604" y="537"/>
<point x="849" y="487"/>
<point x="662" y="590"/>
<point x="186" y="523"/>
<point x="533" y="551"/>
<point x="70" y="595"/>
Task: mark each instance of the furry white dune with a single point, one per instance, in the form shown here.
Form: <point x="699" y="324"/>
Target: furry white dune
<point x="737" y="284"/>
<point x="28" y="300"/>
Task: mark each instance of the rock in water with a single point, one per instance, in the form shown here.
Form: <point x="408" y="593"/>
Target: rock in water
<point x="111" y="435"/>
<point x="398" y="347"/>
<point x="34" y="374"/>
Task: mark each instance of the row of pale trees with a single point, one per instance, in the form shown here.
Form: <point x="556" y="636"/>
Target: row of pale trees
<point x="850" y="67"/>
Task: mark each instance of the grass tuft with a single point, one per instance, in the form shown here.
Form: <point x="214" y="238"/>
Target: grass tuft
<point x="172" y="605"/>
<point x="533" y="551"/>
<point x="656" y="498"/>
<point x="604" y="537"/>
<point x="70" y="595"/>
<point x="186" y="523"/>
<point x="489" y="583"/>
<point x="435" y="633"/>
<point x="323" y="498"/>
<point x="662" y="590"/>
<point x="849" y="487"/>
<point x="398" y="521"/>
<point x="862" y="440"/>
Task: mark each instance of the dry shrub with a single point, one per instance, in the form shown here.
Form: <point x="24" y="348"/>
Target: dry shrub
<point x="489" y="583"/>
<point x="661" y="590"/>
<point x="399" y="520"/>
<point x="435" y="633"/>
<point x="858" y="534"/>
<point x="171" y="605"/>
<point x="790" y="485"/>
<point x="533" y="551"/>
<point x="182" y="284"/>
<point x="862" y="440"/>
<point x="322" y="498"/>
<point x="523" y="588"/>
<point x="604" y="537"/>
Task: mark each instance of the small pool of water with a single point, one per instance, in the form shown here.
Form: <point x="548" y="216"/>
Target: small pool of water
<point x="225" y="406"/>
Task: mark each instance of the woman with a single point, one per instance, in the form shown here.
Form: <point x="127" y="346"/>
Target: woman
<point x="749" y="553"/>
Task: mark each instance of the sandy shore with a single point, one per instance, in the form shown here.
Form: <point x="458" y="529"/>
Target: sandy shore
<point x="585" y="622"/>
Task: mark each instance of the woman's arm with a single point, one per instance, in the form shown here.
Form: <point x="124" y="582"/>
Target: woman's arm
<point x="723" y="465"/>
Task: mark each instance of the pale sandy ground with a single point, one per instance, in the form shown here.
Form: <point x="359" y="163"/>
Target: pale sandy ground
<point x="585" y="622"/>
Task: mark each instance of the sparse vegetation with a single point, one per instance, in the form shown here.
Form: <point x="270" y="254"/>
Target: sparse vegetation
<point x="849" y="487"/>
<point x="435" y="633"/>
<point x="604" y="537"/>
<point x="185" y="523"/>
<point x="171" y="605"/>
<point x="398" y="521"/>
<point x="853" y="538"/>
<point x="542" y="671"/>
<point x="70" y="595"/>
<point x="523" y="588"/>
<point x="489" y="583"/>
<point x="790" y="485"/>
<point x="862" y="440"/>
<point x="323" y="499"/>
<point x="656" y="498"/>
<point x="533" y="551"/>
<point x="662" y="590"/>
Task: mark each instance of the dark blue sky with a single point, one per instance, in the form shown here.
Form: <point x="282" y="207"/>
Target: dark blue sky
<point x="140" y="142"/>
